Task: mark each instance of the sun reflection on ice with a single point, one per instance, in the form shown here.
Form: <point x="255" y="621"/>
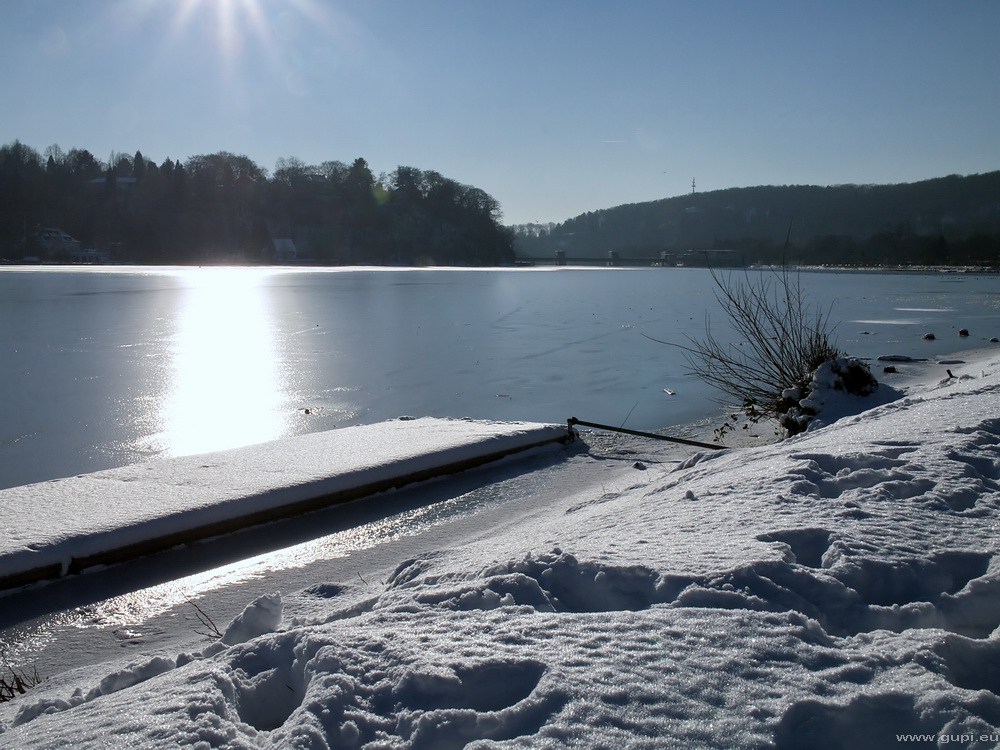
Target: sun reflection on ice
<point x="134" y="608"/>
<point x="226" y="389"/>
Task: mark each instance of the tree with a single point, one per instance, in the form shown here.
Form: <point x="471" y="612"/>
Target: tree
<point x="360" y="178"/>
<point x="335" y="172"/>
<point x="22" y="190"/>
<point x="54" y="154"/>
<point x="83" y="165"/>
<point x="223" y="169"/>
<point x="407" y="185"/>
<point x="290" y="170"/>
<point x="138" y="166"/>
<point x="360" y="193"/>
<point x="120" y="165"/>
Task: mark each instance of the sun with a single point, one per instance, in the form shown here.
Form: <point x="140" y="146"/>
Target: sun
<point x="238" y="29"/>
<point x="240" y="45"/>
<point x="232" y="22"/>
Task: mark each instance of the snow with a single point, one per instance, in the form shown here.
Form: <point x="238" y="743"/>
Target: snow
<point x="112" y="515"/>
<point x="837" y="589"/>
<point x="832" y="391"/>
<point x="262" y="615"/>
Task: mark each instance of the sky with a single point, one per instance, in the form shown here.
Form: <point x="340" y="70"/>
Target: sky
<point x="553" y="107"/>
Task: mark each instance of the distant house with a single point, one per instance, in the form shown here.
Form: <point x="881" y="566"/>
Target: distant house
<point x="284" y="250"/>
<point x="52" y="243"/>
<point x="702" y="258"/>
<point x="90" y="256"/>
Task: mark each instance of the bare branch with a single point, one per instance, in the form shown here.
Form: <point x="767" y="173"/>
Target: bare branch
<point x="209" y="628"/>
<point x="14" y="682"/>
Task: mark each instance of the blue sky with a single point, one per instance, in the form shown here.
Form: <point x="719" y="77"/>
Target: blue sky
<point x="554" y="107"/>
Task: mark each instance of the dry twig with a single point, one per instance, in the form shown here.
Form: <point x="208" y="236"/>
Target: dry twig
<point x="14" y="682"/>
<point x="210" y="630"/>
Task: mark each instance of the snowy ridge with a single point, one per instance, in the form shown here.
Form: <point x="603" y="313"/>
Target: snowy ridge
<point x="114" y="515"/>
<point x="837" y="590"/>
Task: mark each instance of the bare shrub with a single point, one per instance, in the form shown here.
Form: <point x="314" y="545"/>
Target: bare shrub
<point x="781" y="340"/>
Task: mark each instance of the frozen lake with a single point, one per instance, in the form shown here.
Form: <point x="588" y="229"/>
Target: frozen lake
<point x="105" y="367"/>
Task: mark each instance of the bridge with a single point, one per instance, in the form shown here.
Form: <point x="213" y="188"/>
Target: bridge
<point x="669" y="259"/>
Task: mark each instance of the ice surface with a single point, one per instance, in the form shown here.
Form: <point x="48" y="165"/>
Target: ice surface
<point x="840" y="589"/>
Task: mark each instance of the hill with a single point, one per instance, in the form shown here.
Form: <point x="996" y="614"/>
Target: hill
<point x="947" y="220"/>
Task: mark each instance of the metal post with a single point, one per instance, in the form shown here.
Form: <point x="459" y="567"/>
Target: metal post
<point x="574" y="421"/>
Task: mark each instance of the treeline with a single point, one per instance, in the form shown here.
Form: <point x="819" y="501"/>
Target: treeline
<point x="950" y="220"/>
<point x="223" y="207"/>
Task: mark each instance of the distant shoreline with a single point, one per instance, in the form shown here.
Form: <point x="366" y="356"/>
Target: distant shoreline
<point x="536" y="263"/>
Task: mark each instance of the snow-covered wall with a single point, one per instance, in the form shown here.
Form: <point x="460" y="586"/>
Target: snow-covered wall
<point x="66" y="525"/>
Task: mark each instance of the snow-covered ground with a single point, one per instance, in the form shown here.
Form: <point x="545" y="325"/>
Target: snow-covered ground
<point x="838" y="589"/>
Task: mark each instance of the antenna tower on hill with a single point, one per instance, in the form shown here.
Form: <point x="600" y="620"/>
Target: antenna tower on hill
<point x="692" y="186"/>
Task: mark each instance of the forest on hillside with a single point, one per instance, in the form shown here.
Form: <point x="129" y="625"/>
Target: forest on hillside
<point x="224" y="208"/>
<point x="951" y="220"/>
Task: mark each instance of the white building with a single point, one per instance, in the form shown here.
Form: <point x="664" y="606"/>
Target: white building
<point x="52" y="243"/>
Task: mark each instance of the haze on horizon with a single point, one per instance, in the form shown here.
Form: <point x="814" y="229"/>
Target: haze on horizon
<point x="554" y="108"/>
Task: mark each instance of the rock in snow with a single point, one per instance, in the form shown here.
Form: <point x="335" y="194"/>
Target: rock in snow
<point x="840" y="589"/>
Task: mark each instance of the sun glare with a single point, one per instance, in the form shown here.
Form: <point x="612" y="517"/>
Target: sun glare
<point x="235" y="24"/>
<point x="226" y="389"/>
<point x="232" y="22"/>
<point x="246" y="43"/>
